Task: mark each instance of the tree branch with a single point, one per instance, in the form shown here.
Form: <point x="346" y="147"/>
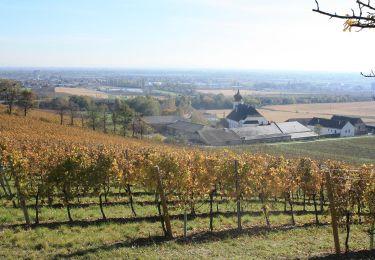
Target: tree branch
<point x="370" y="75"/>
<point x="354" y="20"/>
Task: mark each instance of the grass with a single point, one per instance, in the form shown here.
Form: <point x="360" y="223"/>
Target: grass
<point x="87" y="238"/>
<point x="356" y="150"/>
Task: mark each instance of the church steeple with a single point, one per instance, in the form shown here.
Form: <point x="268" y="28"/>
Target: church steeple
<point x="237" y="99"/>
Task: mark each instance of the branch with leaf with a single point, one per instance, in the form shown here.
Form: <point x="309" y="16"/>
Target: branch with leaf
<point x="363" y="18"/>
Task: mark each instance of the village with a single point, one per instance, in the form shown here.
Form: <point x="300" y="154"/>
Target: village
<point x="245" y="125"/>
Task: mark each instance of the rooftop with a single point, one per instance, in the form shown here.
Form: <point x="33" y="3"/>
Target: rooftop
<point x="352" y="120"/>
<point x="186" y="126"/>
<point x="242" y="111"/>
<point x="329" y="123"/>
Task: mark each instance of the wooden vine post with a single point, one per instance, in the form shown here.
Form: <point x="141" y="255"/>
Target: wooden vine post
<point x="238" y="195"/>
<point x="185" y="222"/>
<point x="163" y="200"/>
<point x="332" y="208"/>
<point x="20" y="194"/>
<point x="372" y="233"/>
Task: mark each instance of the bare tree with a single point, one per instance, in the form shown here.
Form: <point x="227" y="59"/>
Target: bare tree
<point x="362" y="18"/>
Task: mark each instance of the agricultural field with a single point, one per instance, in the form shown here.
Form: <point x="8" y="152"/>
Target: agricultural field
<point x="245" y="92"/>
<point x="81" y="92"/>
<point x="356" y="150"/>
<point x="281" y="113"/>
<point x="122" y="235"/>
<point x="278" y="113"/>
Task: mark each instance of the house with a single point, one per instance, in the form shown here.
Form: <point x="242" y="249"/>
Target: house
<point x="210" y="117"/>
<point x="296" y="130"/>
<point x="160" y="123"/>
<point x="326" y="127"/>
<point x="185" y="129"/>
<point x="218" y="136"/>
<point x="370" y="128"/>
<point x="244" y="115"/>
<point x="261" y="134"/>
<point x="359" y="125"/>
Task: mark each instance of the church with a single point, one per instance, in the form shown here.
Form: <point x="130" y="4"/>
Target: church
<point x="244" y="115"/>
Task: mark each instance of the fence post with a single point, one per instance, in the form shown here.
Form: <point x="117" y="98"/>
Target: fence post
<point x="20" y="194"/>
<point x="332" y="208"/>
<point x="185" y="222"/>
<point x="163" y="204"/>
<point x="238" y="193"/>
<point x="372" y="233"/>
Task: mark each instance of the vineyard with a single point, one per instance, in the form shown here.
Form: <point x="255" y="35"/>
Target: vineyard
<point x="44" y="166"/>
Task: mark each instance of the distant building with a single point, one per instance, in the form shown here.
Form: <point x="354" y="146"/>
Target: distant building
<point x="296" y="130"/>
<point x="244" y="115"/>
<point x="359" y="125"/>
<point x="160" y="123"/>
<point x="218" y="136"/>
<point x="302" y="121"/>
<point x="261" y="134"/>
<point x="185" y="129"/>
<point x="329" y="127"/>
<point x="370" y="128"/>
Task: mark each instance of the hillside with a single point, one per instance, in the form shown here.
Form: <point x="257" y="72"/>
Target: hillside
<point x="356" y="150"/>
<point x="72" y="192"/>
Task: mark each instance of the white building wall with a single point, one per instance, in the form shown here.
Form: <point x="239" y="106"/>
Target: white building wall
<point x="347" y="130"/>
<point x="261" y="120"/>
<point x="324" y="130"/>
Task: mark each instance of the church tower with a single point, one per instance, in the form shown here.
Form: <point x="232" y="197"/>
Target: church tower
<point x="237" y="99"/>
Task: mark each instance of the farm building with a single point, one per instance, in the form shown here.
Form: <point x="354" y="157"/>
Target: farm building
<point x="160" y="123"/>
<point x="244" y="115"/>
<point x="329" y="127"/>
<point x="296" y="130"/>
<point x="302" y="121"/>
<point x="261" y="134"/>
<point x="359" y="125"/>
<point x="185" y="129"/>
<point x="218" y="136"/>
<point x="370" y="128"/>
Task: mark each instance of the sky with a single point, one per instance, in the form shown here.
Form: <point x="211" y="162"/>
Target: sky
<point x="181" y="34"/>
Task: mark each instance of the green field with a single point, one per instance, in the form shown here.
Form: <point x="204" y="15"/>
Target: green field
<point x="356" y="150"/>
<point x="124" y="236"/>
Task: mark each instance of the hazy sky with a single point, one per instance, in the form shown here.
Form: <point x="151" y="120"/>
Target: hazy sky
<point x="221" y="34"/>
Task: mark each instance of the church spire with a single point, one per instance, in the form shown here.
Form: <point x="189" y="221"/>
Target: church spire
<point x="237" y="97"/>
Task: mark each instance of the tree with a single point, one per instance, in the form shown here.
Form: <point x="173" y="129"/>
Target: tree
<point x="9" y="92"/>
<point x="147" y="106"/>
<point x="93" y="113"/>
<point x="104" y="109"/>
<point x="114" y="108"/>
<point x="61" y="104"/>
<point x="26" y="100"/>
<point x="125" y="114"/>
<point x="73" y="107"/>
<point x="362" y="18"/>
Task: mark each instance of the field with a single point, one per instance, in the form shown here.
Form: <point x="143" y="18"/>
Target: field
<point x="81" y="92"/>
<point x="365" y="110"/>
<point x="280" y="113"/>
<point x="245" y="92"/>
<point x="355" y="150"/>
<point x="124" y="236"/>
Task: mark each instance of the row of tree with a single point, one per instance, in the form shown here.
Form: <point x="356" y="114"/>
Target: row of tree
<point x="13" y="94"/>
